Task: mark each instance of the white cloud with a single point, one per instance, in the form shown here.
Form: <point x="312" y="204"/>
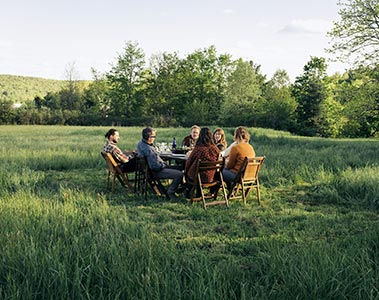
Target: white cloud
<point x="228" y="11"/>
<point x="309" y="26"/>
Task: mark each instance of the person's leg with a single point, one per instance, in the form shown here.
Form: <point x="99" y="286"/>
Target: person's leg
<point x="228" y="176"/>
<point x="175" y="175"/>
<point x="130" y="166"/>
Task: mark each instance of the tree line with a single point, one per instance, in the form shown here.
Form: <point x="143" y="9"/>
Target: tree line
<point x="210" y="88"/>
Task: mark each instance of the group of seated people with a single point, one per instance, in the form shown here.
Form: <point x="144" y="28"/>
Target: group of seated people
<point x="202" y="145"/>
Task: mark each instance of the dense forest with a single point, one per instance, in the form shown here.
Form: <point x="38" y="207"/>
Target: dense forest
<point x="206" y="87"/>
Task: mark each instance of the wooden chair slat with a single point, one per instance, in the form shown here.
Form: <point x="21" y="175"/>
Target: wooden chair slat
<point x="246" y="179"/>
<point x="197" y="183"/>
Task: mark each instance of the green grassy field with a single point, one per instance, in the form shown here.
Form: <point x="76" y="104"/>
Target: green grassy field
<point x="315" y="236"/>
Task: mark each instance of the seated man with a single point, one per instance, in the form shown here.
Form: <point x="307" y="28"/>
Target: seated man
<point x="160" y="169"/>
<point x="127" y="163"/>
<point x="190" y="140"/>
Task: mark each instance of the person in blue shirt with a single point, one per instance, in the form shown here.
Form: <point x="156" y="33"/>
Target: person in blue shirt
<point x="161" y="170"/>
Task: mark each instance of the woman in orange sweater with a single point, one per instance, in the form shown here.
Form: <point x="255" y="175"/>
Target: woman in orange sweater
<point x="238" y="153"/>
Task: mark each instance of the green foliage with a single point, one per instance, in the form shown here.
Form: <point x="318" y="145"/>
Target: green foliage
<point x="209" y="88"/>
<point x="358" y="91"/>
<point x="310" y="91"/>
<point x="123" y="79"/>
<point x="277" y="109"/>
<point x="355" y="35"/>
<point x="25" y="89"/>
<point x="242" y="95"/>
<point x="62" y="235"/>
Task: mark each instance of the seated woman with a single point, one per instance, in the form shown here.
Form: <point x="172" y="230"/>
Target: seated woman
<point x="204" y="150"/>
<point x="238" y="153"/>
<point x="219" y="139"/>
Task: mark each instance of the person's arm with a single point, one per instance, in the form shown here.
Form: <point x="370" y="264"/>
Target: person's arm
<point x="226" y="152"/>
<point x="154" y="161"/>
<point x="232" y="158"/>
<point x="121" y="157"/>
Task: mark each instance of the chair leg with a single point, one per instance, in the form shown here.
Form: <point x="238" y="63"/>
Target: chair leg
<point x="224" y="190"/>
<point x="192" y="192"/>
<point x="243" y="193"/>
<point x="225" y="196"/>
<point x="109" y="174"/>
<point x="113" y="182"/>
<point x="258" y="193"/>
<point x="201" y="191"/>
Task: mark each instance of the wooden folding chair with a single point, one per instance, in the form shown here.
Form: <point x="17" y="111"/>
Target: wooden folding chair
<point x="115" y="170"/>
<point x="214" y="186"/>
<point x="246" y="179"/>
<point x="145" y="177"/>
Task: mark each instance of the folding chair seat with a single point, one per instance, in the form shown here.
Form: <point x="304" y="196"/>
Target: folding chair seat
<point x="115" y="170"/>
<point x="246" y="179"/>
<point x="212" y="188"/>
<point x="145" y="177"/>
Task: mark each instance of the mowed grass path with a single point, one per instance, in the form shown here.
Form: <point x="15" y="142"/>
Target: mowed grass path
<point x="316" y="234"/>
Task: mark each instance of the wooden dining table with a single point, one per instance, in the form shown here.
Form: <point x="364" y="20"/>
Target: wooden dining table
<point x="178" y="159"/>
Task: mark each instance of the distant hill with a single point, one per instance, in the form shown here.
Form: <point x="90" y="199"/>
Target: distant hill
<point x="25" y="89"/>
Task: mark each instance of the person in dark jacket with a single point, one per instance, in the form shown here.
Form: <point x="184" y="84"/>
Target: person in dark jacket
<point x="190" y="140"/>
<point x="160" y="169"/>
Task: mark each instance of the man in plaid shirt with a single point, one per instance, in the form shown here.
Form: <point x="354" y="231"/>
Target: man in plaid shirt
<point x="127" y="163"/>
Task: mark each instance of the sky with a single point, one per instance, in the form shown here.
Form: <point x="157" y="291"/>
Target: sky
<point x="41" y="38"/>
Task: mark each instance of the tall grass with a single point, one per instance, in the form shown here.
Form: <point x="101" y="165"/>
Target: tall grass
<point x="316" y="234"/>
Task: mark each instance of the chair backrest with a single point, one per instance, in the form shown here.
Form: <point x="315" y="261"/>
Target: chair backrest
<point x="111" y="163"/>
<point x="252" y="167"/>
<point x="203" y="166"/>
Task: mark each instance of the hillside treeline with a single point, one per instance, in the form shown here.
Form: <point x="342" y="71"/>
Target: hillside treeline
<point x="22" y="88"/>
<point x="210" y="88"/>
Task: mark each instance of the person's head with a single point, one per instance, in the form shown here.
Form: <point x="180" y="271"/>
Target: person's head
<point x="195" y="130"/>
<point x="205" y="137"/>
<point x="149" y="134"/>
<point x="112" y="135"/>
<point x="241" y="134"/>
<point x="219" y="136"/>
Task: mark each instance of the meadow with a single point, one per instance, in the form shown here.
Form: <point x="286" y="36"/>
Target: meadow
<point x="63" y="235"/>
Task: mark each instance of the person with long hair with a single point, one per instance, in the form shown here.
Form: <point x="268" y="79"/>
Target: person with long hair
<point x="219" y="139"/>
<point x="238" y="153"/>
<point x="205" y="150"/>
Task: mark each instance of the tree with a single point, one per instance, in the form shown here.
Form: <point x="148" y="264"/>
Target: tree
<point x="96" y="96"/>
<point x="310" y="91"/>
<point x="203" y="77"/>
<point x="123" y="79"/>
<point x="356" y="34"/>
<point x="358" y="90"/>
<point x="243" y="92"/>
<point x="277" y="107"/>
<point x="70" y="97"/>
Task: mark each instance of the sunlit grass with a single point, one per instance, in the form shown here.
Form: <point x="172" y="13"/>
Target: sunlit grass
<point x="62" y="235"/>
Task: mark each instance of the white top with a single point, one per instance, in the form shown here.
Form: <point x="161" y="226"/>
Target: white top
<point x="226" y="152"/>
